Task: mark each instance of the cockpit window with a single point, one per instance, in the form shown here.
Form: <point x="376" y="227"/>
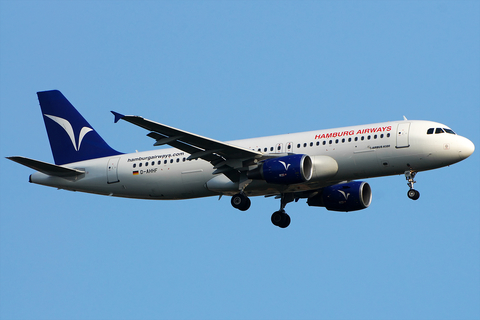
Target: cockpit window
<point x="440" y="130"/>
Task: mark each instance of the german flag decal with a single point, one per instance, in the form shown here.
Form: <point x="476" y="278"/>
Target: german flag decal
<point x="135" y="173"/>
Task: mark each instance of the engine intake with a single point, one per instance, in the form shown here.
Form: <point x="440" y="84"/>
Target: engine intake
<point x="291" y="169"/>
<point x="351" y="196"/>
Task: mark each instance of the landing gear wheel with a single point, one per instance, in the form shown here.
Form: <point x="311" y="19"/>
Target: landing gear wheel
<point x="277" y="218"/>
<point x="246" y="206"/>
<point x="280" y="219"/>
<point x="286" y="221"/>
<point x="241" y="202"/>
<point x="413" y="194"/>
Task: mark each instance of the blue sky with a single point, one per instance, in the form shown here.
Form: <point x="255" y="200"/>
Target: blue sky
<point x="231" y="70"/>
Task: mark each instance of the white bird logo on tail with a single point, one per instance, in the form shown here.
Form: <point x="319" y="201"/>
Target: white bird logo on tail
<point x="69" y="130"/>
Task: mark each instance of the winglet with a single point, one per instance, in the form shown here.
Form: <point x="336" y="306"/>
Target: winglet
<point x="118" y="116"/>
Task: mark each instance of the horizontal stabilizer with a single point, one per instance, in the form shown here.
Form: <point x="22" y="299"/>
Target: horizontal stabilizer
<point x="47" y="168"/>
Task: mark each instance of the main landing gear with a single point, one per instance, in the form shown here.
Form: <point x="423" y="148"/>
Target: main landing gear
<point x="412" y="193"/>
<point x="241" y="202"/>
<point x="279" y="218"/>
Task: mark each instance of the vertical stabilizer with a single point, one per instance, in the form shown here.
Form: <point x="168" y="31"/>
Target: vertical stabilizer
<point x="71" y="137"/>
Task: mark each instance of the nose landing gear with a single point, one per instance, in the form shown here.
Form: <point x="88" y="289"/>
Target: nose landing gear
<point x="412" y="193"/>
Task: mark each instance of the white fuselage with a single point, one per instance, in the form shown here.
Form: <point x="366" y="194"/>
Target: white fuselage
<point x="364" y="151"/>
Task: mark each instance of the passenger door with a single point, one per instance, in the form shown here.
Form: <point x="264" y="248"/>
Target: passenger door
<point x="402" y="135"/>
<point x="112" y="170"/>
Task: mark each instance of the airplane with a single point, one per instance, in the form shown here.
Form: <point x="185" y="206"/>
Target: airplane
<point x="322" y="166"/>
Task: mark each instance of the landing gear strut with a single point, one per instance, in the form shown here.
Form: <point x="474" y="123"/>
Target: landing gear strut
<point x="241" y="202"/>
<point x="280" y="218"/>
<point x="412" y="193"/>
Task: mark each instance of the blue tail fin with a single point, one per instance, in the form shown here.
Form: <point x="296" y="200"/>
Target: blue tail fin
<point x="71" y="137"/>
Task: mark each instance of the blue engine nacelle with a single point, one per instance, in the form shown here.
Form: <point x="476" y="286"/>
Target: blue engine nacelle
<point x="291" y="169"/>
<point x="351" y="196"/>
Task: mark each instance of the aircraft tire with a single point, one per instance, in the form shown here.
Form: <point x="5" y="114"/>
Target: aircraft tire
<point x="246" y="205"/>
<point x="280" y="219"/>
<point x="413" y="194"/>
<point x="241" y="202"/>
<point x="285" y="221"/>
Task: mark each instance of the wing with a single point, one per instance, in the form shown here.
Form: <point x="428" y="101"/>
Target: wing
<point x="223" y="156"/>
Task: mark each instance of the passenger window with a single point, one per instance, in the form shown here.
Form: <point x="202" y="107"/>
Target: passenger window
<point x="363" y="138"/>
<point x="178" y="159"/>
<point x="165" y="162"/>
<point x="278" y="148"/>
<point x="271" y="148"/>
<point x="134" y="165"/>
<point x="356" y="138"/>
<point x="324" y="142"/>
<point x="349" y="139"/>
<point x="330" y="142"/>
<point x="375" y="137"/>
<point x="298" y="145"/>
<point x="336" y="140"/>
<point x="430" y="131"/>
<point x="265" y="149"/>
<point x="171" y="160"/>
<point x="343" y="140"/>
<point x="438" y="130"/>
<point x="305" y="145"/>
<point x="388" y="135"/>
<point x="368" y="137"/>
<point x="311" y="144"/>
<point x="289" y="147"/>
<point x="146" y="164"/>
<point x="318" y="143"/>
<point x="381" y="136"/>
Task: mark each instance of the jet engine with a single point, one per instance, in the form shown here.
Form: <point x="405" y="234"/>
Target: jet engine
<point x="290" y="169"/>
<point x="350" y="196"/>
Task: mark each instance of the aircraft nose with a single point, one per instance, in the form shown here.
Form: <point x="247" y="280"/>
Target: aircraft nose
<point x="466" y="148"/>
